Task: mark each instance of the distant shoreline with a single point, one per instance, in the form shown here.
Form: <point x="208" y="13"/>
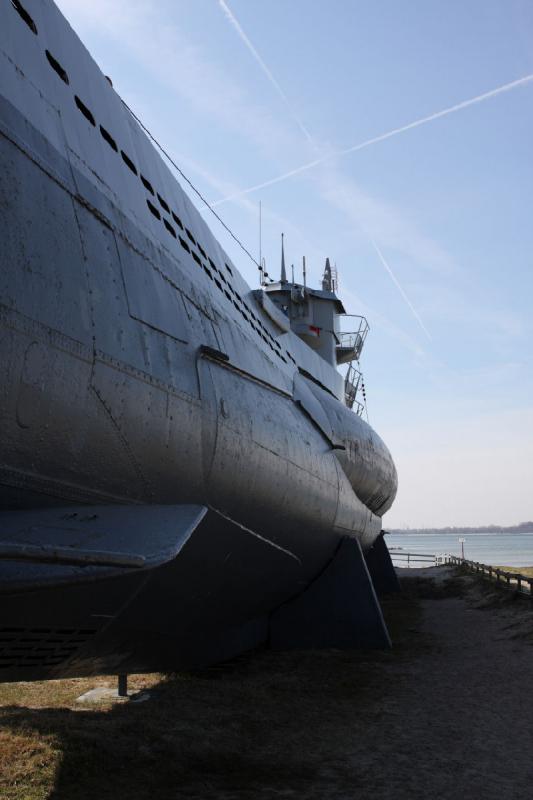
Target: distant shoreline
<point x="523" y="527"/>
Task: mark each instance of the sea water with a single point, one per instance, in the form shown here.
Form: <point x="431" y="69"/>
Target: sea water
<point x="498" y="549"/>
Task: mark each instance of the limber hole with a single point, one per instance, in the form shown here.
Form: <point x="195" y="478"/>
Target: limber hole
<point x="177" y="220"/>
<point x="163" y="203"/>
<point x="147" y="185"/>
<point x="84" y="110"/>
<point x="169" y="228"/>
<point x="108" y="138"/>
<point x="129" y="163"/>
<point x="24" y="15"/>
<point x="185" y="245"/>
<point x="56" y="66"/>
<point x="153" y="209"/>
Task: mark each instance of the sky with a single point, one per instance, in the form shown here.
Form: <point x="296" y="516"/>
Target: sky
<point x="395" y="138"/>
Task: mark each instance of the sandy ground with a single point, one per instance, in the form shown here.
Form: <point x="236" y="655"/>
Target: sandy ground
<point x="461" y="719"/>
<point x="447" y="713"/>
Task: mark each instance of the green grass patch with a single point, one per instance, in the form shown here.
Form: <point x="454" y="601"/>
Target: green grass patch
<point x="522" y="570"/>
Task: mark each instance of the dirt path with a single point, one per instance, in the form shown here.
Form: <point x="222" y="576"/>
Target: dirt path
<point x="461" y="721"/>
<point x="447" y="713"/>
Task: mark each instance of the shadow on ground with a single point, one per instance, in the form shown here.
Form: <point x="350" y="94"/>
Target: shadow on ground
<point x="300" y="724"/>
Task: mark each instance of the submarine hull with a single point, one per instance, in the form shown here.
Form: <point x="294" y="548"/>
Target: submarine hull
<point x="172" y="467"/>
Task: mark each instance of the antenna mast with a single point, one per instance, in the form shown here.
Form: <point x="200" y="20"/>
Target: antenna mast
<point x="261" y="270"/>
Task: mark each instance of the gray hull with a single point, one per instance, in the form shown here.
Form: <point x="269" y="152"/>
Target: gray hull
<point x="139" y="371"/>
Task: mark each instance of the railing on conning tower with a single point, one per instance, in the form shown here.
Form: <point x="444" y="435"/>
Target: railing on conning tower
<point x="352" y="382"/>
<point x="348" y="350"/>
<point x="350" y="343"/>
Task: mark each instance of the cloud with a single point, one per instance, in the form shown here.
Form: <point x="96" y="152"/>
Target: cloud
<point x="483" y="317"/>
<point x="381" y="221"/>
<point x="400" y="288"/>
<point x="244" y="38"/>
<point x="506" y="87"/>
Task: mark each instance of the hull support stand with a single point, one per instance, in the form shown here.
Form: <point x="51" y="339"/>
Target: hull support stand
<point x="380" y="567"/>
<point x="122" y="690"/>
<point x="339" y="609"/>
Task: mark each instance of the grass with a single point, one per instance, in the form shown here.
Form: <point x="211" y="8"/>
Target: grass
<point x="31" y="754"/>
<point x="263" y="722"/>
<point x="522" y="570"/>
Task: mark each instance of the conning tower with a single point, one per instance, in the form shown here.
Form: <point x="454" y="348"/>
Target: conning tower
<point x="317" y="315"/>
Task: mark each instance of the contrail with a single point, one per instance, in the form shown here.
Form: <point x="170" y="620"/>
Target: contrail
<point x="234" y="21"/>
<point x="399" y="287"/>
<point x="506" y="87"/>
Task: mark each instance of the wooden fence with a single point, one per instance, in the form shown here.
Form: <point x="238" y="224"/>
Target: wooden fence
<point x="513" y="581"/>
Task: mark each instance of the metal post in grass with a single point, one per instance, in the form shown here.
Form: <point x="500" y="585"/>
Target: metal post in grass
<point x="122" y="686"/>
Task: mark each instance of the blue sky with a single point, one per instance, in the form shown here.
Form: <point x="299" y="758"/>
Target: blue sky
<point x="242" y="92"/>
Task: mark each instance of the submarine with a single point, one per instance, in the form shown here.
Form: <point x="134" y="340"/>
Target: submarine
<point x="185" y="473"/>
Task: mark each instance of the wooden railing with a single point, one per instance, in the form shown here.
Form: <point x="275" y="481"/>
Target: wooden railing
<point x="513" y="581"/>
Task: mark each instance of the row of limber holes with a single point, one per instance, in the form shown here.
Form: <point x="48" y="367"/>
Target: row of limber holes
<point x="18" y="647"/>
<point x="258" y="327"/>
